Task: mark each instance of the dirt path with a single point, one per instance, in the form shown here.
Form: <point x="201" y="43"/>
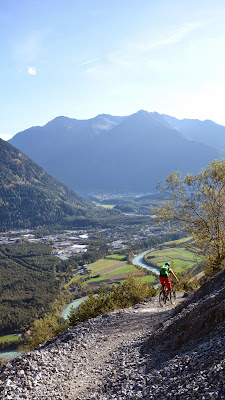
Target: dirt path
<point x="119" y="329"/>
<point x="76" y="364"/>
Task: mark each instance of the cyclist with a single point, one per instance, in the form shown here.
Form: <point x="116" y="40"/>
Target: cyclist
<point x="164" y="273"/>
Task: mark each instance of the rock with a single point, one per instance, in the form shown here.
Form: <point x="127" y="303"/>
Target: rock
<point x="122" y="356"/>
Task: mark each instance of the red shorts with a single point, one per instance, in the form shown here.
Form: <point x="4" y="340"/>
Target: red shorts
<point x="166" y="280"/>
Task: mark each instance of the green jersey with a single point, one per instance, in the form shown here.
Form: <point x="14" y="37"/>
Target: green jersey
<point x="164" y="271"/>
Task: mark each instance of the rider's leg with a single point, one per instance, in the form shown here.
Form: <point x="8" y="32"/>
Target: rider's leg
<point x="168" y="286"/>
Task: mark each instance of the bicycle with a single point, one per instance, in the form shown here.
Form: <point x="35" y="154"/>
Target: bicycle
<point x="164" y="298"/>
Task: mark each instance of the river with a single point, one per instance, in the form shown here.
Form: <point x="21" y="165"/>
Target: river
<point x="139" y="260"/>
<point x="9" y="354"/>
<point x="75" y="304"/>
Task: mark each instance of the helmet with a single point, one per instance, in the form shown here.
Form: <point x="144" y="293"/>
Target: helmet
<point x="167" y="264"/>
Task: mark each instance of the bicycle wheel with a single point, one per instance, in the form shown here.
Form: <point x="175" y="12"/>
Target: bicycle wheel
<point x="172" y="296"/>
<point x="162" y="298"/>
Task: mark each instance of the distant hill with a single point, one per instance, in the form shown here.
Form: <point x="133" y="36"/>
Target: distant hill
<point x="114" y="154"/>
<point x="207" y="132"/>
<point x="30" y="197"/>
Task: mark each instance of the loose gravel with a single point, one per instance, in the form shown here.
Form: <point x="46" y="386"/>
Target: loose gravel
<point x="135" y="353"/>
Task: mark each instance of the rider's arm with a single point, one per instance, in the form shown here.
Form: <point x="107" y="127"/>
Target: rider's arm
<point x="172" y="273"/>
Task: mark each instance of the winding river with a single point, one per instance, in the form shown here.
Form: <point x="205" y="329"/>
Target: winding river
<point x="139" y="260"/>
<point x="75" y="304"/>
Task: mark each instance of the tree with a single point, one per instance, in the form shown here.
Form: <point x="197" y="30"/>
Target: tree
<point x="197" y="203"/>
<point x="43" y="329"/>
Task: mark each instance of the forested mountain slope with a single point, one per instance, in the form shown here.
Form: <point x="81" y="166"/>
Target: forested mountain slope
<point x="29" y="285"/>
<point x="107" y="153"/>
<point x="29" y="197"/>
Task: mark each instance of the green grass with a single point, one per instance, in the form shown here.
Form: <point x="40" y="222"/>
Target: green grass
<point x="112" y="270"/>
<point x="149" y="279"/>
<point x="110" y="206"/>
<point x="120" y="257"/>
<point x="110" y="275"/>
<point x="183" y="240"/>
<point x="76" y="278"/>
<point x="99" y="279"/>
<point x="9" y="338"/>
<point x="101" y="264"/>
<point x="179" y="258"/>
<point x="123" y="270"/>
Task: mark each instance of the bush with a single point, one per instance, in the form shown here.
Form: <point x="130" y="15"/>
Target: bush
<point x="43" y="329"/>
<point x="130" y="292"/>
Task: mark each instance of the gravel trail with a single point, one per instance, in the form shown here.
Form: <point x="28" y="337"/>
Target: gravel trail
<point x="74" y="365"/>
<point x="143" y="352"/>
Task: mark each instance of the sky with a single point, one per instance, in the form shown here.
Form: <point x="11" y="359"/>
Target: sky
<point x="81" y="58"/>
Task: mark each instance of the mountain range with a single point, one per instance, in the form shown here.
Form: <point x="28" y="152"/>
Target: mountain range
<point x="30" y="197"/>
<point x="121" y="154"/>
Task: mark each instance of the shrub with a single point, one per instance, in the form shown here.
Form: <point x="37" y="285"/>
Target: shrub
<point x="130" y="292"/>
<point x="43" y="329"/>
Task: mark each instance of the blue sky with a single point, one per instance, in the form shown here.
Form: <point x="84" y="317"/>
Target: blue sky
<point x="88" y="57"/>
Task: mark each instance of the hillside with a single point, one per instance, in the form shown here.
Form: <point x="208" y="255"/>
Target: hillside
<point x="30" y="283"/>
<point x="29" y="197"/>
<point x="115" y="154"/>
<point x="138" y="353"/>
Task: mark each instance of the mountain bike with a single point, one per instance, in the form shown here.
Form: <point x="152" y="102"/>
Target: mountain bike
<point x="165" y="297"/>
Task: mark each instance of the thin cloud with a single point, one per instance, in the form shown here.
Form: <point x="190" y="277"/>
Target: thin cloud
<point x="32" y="71"/>
<point x="89" y="62"/>
<point x="170" y="39"/>
<point x="133" y="54"/>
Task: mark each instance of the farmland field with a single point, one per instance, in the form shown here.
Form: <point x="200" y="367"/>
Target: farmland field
<point x="120" y="257"/>
<point x="107" y="271"/>
<point x="9" y="338"/>
<point x="110" y="271"/>
<point x="183" y="240"/>
<point x="149" y="279"/>
<point x="179" y="258"/>
<point x="102" y="264"/>
<point x="110" y="206"/>
<point x="126" y="269"/>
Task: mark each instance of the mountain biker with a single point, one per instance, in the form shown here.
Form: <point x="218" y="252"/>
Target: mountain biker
<point x="164" y="273"/>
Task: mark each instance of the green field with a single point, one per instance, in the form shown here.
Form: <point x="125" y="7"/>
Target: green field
<point x="9" y="338"/>
<point x="183" y="240"/>
<point x="109" y="270"/>
<point x="76" y="278"/>
<point x="149" y="279"/>
<point x="179" y="258"/>
<point x="120" y="257"/>
<point x="110" y="206"/>
<point x="102" y="264"/>
<point x="93" y="281"/>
